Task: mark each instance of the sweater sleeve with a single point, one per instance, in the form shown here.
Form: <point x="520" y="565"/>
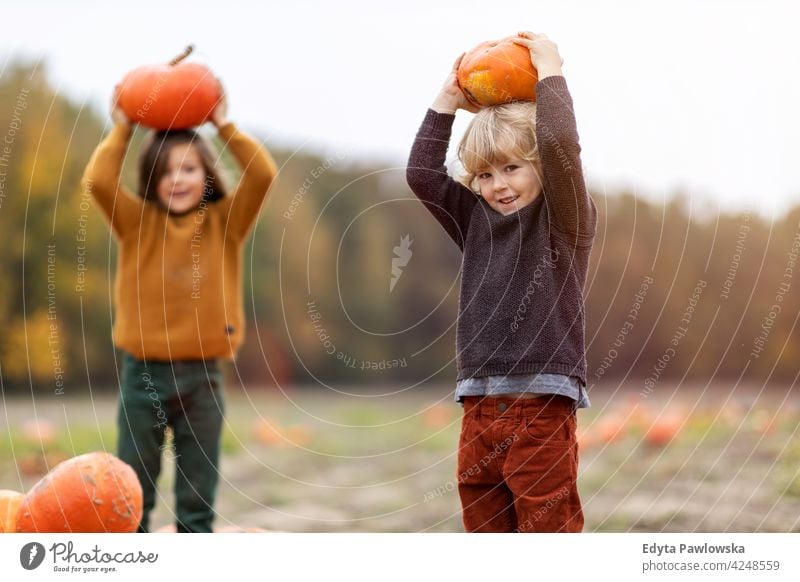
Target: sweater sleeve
<point x="101" y="179"/>
<point x="571" y="210"/>
<point x="450" y="202"/>
<point x="258" y="172"/>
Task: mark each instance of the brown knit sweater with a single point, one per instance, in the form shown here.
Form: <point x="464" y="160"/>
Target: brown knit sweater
<point x="521" y="307"/>
<point x="178" y="288"/>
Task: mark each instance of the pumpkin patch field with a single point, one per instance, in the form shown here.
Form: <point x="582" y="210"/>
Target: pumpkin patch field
<point x="687" y="459"/>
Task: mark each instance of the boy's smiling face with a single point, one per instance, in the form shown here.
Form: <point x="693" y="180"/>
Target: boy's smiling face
<point x="180" y="188"/>
<point x="509" y="185"/>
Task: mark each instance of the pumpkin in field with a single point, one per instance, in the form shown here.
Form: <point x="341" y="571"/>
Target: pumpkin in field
<point x="95" y="492"/>
<point x="498" y="71"/>
<point x="663" y="430"/>
<point x="610" y="429"/>
<point x="268" y="432"/>
<point x="38" y="464"/>
<point x="176" y="95"/>
<point x="437" y="416"/>
<point x="9" y="505"/>
<point x="31" y="464"/>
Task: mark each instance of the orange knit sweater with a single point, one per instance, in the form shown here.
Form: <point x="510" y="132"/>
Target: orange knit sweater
<point x="178" y="288"/>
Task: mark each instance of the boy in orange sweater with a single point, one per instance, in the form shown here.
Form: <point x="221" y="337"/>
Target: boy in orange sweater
<point x="178" y="293"/>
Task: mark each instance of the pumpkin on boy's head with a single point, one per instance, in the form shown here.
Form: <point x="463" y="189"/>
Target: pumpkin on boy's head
<point x="176" y="95"/>
<point x="496" y="72"/>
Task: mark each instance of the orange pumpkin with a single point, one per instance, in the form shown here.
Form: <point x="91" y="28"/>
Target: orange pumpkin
<point x="95" y="492"/>
<point x="9" y="506"/>
<point x="610" y="429"/>
<point x="437" y="416"/>
<point x="32" y="464"/>
<point x="663" y="430"/>
<point x="176" y="95"/>
<point x="268" y="432"/>
<point x="496" y="72"/>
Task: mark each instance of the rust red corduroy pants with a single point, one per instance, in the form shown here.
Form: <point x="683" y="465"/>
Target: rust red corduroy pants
<point x="518" y="465"/>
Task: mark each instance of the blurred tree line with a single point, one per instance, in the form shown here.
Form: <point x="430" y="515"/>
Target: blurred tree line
<point x="350" y="281"/>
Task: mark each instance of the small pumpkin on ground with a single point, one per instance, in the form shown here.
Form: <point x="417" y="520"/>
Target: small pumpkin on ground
<point x="95" y="492"/>
<point x="9" y="506"/>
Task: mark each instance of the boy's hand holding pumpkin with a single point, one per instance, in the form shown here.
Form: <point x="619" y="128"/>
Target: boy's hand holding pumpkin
<point x="451" y="98"/>
<point x="544" y="53"/>
<point x="219" y="117"/>
<point x="117" y="114"/>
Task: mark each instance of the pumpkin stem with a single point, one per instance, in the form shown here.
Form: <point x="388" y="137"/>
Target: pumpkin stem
<point x="186" y="52"/>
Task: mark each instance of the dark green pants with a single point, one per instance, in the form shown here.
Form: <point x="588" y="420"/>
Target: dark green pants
<point x="186" y="396"/>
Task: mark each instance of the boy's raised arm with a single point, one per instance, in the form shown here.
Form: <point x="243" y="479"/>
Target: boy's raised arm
<point x="258" y="172"/>
<point x="101" y="179"/>
<point x="450" y="202"/>
<point x="572" y="211"/>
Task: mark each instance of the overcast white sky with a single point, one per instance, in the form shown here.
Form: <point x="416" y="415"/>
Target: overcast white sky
<point x="701" y="96"/>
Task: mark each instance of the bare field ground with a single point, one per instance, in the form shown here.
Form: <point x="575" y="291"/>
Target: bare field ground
<point x="682" y="459"/>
